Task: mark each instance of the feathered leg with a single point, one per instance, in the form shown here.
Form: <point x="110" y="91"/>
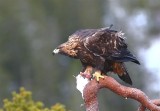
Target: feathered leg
<point x="87" y="72"/>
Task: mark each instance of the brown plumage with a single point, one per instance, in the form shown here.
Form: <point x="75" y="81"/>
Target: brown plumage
<point x="103" y="49"/>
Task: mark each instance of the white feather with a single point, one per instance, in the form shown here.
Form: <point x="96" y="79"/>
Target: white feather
<point x="81" y="83"/>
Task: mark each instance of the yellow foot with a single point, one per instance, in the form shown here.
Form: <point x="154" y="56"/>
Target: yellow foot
<point x="97" y="75"/>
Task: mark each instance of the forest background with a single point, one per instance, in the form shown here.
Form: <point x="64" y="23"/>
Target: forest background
<point x="31" y="29"/>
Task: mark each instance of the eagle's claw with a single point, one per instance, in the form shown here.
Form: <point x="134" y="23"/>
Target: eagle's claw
<point x="97" y="76"/>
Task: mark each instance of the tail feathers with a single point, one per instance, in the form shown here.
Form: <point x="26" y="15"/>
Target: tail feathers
<point x="126" y="78"/>
<point x="119" y="68"/>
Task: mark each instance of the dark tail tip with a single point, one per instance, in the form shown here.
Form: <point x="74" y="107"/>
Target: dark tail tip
<point x="126" y="78"/>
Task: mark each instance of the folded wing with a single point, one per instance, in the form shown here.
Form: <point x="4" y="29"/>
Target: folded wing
<point x="109" y="44"/>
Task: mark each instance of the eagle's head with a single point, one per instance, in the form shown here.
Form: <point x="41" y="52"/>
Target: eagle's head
<point x="68" y="48"/>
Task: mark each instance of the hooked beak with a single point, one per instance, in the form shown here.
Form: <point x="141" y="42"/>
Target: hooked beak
<point x="55" y="51"/>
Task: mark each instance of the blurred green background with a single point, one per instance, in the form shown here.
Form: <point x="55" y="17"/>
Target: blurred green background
<point x="31" y="29"/>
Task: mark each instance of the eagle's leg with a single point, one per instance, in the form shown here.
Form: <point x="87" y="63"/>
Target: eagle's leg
<point x="97" y="75"/>
<point x="87" y="73"/>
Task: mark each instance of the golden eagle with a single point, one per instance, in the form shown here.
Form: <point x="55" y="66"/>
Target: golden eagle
<point x="103" y="50"/>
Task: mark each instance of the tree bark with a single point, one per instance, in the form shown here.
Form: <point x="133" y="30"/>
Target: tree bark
<point x="91" y="90"/>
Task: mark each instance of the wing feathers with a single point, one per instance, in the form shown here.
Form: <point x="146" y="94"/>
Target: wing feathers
<point x="123" y="56"/>
<point x="109" y="44"/>
<point x="101" y="42"/>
